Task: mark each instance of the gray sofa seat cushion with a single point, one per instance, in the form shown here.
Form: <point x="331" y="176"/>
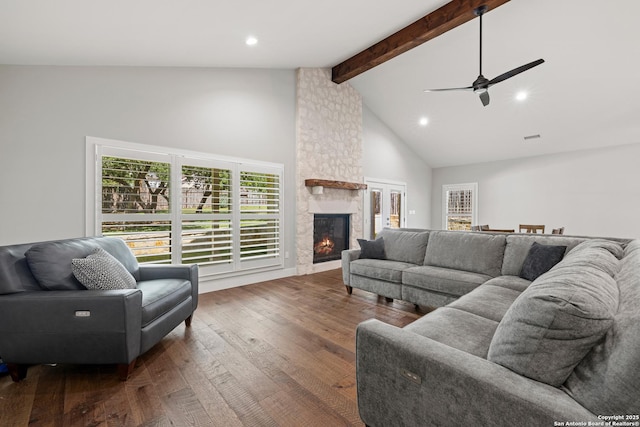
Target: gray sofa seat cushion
<point x="390" y="271"/>
<point x="456" y="328"/>
<point x="510" y="282"/>
<point x="405" y="246"/>
<point x="518" y="246"/>
<point x="607" y="380"/>
<point x="444" y="280"/>
<point x="561" y="316"/>
<point x="162" y="295"/>
<point x="474" y="252"/>
<point x="488" y="301"/>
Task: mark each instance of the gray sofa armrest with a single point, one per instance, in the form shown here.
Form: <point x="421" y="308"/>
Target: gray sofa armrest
<point x="71" y="326"/>
<point x="407" y="379"/>
<point x="173" y="271"/>
<point x="348" y="256"/>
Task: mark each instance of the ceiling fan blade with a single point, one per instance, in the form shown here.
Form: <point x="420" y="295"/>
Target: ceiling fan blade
<point x="449" y="89"/>
<point x="515" y="71"/>
<point x="484" y="97"/>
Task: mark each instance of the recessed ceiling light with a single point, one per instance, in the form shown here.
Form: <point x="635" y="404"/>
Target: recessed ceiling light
<point x="423" y="121"/>
<point x="522" y="95"/>
<point x="251" y="41"/>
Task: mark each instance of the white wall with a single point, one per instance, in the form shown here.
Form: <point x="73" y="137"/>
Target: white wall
<point x="590" y="192"/>
<point x="46" y="112"/>
<point x="386" y="156"/>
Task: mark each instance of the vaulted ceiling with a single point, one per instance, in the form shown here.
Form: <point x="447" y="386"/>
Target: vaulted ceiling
<point x="584" y="96"/>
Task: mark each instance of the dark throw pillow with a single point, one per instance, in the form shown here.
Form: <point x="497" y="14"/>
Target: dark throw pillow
<point x="101" y="270"/>
<point x="372" y="249"/>
<point x="540" y="259"/>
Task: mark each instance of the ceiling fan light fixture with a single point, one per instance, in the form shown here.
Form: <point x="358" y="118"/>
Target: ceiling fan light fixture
<point x="481" y="85"/>
<point x="522" y="95"/>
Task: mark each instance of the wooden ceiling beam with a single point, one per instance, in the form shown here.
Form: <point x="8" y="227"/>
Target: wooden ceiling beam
<point x="441" y="20"/>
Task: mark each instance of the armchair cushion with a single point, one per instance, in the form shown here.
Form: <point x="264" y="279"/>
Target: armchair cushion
<point x="161" y="296"/>
<point x="101" y="270"/>
<point x="46" y="263"/>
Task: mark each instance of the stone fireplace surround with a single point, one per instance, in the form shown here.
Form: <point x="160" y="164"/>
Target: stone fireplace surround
<point x="328" y="147"/>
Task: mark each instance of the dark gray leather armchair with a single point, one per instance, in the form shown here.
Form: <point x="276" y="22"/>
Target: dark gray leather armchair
<point x="47" y="316"/>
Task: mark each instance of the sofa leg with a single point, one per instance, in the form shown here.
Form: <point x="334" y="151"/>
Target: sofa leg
<point x="349" y="289"/>
<point x="187" y="321"/>
<point x="125" y="370"/>
<point x="417" y="307"/>
<point x="387" y="299"/>
<point x="17" y="372"/>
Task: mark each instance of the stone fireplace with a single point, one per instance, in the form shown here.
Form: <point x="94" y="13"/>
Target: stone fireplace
<point x="330" y="236"/>
<point x="328" y="151"/>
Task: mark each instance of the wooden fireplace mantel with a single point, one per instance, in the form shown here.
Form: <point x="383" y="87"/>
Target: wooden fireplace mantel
<point x="343" y="185"/>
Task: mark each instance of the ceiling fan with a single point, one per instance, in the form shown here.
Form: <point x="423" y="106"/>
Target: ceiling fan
<point x="481" y="85"/>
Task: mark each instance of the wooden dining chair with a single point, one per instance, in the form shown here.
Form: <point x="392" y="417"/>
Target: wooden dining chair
<point x="558" y="230"/>
<point x="531" y="228"/>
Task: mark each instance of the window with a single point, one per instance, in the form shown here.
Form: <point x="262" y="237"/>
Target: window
<point x="178" y="207"/>
<point x="459" y="204"/>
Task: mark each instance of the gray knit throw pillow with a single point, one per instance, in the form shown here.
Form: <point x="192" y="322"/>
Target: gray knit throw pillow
<point x="101" y="270"/>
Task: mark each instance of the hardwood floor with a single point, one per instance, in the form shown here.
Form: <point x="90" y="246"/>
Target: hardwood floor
<point x="277" y="353"/>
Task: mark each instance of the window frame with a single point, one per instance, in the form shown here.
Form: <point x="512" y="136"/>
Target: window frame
<point x="470" y="186"/>
<point x="96" y="148"/>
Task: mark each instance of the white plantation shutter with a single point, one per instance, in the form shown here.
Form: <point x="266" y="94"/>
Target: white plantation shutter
<point x="260" y="216"/>
<point x="207" y="214"/>
<point x="135" y="204"/>
<point x="223" y="215"/>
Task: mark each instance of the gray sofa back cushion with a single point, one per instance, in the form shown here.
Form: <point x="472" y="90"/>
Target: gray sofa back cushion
<point x="15" y="275"/>
<point x="607" y="380"/>
<point x="475" y="252"/>
<point x="405" y="246"/>
<point x="518" y="247"/>
<point x="120" y="251"/>
<point x="50" y="262"/>
<point x="553" y="324"/>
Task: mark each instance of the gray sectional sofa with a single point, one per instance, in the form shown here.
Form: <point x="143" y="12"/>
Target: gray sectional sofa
<point x="500" y="349"/>
<point x="48" y="316"/>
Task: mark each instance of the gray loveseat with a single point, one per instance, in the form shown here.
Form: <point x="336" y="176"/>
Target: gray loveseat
<point x="48" y="316"/>
<point x="561" y="349"/>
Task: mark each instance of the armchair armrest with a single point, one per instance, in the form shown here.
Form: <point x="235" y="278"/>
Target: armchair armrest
<point x="348" y="256"/>
<point x="71" y="326"/>
<point x="173" y="271"/>
<point x="405" y="378"/>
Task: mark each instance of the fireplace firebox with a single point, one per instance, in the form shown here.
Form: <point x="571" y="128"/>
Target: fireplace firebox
<point x="330" y="236"/>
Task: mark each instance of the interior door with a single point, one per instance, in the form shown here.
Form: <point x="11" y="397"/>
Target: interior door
<point x="384" y="206"/>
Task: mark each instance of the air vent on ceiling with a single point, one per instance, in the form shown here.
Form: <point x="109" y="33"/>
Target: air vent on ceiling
<point x="536" y="136"/>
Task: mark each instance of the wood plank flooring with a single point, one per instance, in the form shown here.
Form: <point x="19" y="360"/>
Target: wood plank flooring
<point x="277" y="353"/>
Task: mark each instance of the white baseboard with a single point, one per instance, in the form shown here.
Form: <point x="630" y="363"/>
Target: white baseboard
<point x="212" y="283"/>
